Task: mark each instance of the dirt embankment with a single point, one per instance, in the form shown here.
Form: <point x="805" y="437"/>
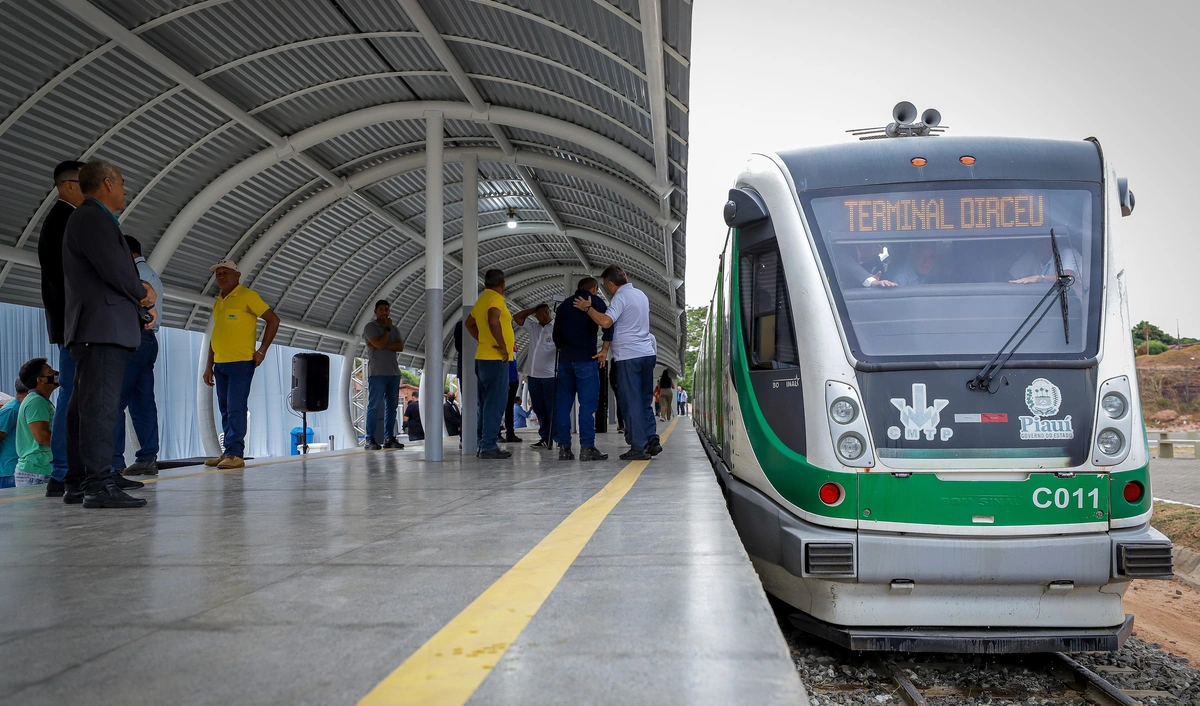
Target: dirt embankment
<point x="1168" y="613"/>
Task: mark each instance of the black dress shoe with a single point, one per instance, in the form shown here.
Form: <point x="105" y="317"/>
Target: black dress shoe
<point x="392" y="443"/>
<point x="142" y="468"/>
<point x="372" y="446"/>
<point x="72" y="496"/>
<point x="125" y="484"/>
<point x="592" y="453"/>
<point x="514" y="439"/>
<point x="495" y="454"/>
<point x="55" y="488"/>
<point x="565" y="453"/>
<point x="635" y="455"/>
<point x="110" y="496"/>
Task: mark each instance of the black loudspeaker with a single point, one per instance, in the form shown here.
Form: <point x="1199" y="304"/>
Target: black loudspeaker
<point x="310" y="382"/>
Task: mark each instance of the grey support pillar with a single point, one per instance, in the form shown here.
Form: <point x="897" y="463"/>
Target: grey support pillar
<point x="349" y="435"/>
<point x="568" y="284"/>
<point x="431" y="404"/>
<point x="470" y="292"/>
<point x="204" y="400"/>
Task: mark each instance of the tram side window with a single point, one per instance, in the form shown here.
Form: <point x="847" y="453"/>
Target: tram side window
<point x="766" y="310"/>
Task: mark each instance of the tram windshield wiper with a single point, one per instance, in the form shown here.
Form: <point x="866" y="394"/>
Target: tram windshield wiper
<point x="1062" y="283"/>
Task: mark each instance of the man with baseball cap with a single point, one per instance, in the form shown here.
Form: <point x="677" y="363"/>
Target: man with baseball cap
<point x="232" y="356"/>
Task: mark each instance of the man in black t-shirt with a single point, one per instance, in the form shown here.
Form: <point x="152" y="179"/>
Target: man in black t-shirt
<point x="412" y="417"/>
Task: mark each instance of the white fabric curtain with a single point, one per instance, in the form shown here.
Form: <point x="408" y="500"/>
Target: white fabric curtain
<point x="23" y="336"/>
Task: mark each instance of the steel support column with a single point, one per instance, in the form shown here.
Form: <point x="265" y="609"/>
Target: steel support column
<point x="349" y="434"/>
<point x="469" y="385"/>
<point x="431" y="407"/>
<point x="204" y="401"/>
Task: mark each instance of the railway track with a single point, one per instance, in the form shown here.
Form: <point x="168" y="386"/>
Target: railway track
<point x="837" y="676"/>
<point x="1083" y="682"/>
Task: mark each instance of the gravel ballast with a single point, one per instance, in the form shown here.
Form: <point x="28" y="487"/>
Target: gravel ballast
<point x="837" y="676"/>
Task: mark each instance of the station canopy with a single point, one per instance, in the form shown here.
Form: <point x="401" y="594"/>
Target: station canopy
<point x="290" y="137"/>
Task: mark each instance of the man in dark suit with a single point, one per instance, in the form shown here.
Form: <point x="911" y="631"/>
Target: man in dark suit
<point x="452" y="415"/>
<point x="54" y="299"/>
<point x="105" y="299"/>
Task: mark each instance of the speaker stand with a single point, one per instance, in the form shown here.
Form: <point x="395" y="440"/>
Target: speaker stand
<point x="303" y="433"/>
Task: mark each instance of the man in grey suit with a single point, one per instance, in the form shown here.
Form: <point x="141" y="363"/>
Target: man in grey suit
<point x="104" y="306"/>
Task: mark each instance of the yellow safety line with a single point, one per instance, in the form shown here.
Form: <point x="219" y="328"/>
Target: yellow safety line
<point x="448" y="669"/>
<point x="291" y="459"/>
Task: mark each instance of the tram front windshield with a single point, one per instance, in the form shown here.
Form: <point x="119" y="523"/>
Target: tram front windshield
<point x="948" y="271"/>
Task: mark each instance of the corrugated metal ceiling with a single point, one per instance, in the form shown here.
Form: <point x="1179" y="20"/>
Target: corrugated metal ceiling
<point x="68" y="90"/>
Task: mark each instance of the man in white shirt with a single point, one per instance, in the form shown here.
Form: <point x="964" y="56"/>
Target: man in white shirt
<point x="634" y="346"/>
<point x="540" y="327"/>
<point x="1037" y="263"/>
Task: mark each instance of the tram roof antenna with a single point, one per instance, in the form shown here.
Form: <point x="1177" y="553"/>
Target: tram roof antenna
<point x="905" y="124"/>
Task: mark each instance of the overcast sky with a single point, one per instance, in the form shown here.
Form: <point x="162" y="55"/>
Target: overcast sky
<point x="768" y="75"/>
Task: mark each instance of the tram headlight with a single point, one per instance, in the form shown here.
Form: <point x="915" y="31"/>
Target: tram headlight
<point x="1114" y="405"/>
<point x="1110" y="442"/>
<point x="843" y="410"/>
<point x="850" y="446"/>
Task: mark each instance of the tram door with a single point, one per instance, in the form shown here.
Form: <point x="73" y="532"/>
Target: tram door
<point x="767" y="336"/>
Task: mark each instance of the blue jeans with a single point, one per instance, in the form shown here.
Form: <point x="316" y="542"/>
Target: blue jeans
<point x="58" y="428"/>
<point x="635" y="387"/>
<point x="542" y="397"/>
<point x="493" y="394"/>
<point x="582" y="379"/>
<point x="232" y="381"/>
<point x="10" y="481"/>
<point x="382" y="391"/>
<point x="137" y="393"/>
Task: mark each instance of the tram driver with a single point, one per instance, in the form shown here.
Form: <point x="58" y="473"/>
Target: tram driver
<point x="1037" y="263"/>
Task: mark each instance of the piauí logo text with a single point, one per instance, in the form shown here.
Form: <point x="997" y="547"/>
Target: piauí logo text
<point x="919" y="417"/>
<point x="1043" y="398"/>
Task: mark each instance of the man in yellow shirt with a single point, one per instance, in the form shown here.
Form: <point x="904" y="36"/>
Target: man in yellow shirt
<point x="490" y="323"/>
<point x="232" y="356"/>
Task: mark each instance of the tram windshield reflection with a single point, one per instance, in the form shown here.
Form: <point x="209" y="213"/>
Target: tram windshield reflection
<point x="947" y="273"/>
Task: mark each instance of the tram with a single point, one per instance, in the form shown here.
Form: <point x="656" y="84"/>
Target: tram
<point x="916" y="385"/>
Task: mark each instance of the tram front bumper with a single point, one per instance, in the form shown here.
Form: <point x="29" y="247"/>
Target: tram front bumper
<point x="968" y="640"/>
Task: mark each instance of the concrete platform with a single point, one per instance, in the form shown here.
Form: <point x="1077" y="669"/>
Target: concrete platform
<point x="310" y="581"/>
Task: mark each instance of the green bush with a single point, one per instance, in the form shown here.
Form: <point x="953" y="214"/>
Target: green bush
<point x="1156" y="347"/>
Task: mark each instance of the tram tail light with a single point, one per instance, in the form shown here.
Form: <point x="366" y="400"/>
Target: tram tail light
<point x="1133" y="491"/>
<point x="831" y="494"/>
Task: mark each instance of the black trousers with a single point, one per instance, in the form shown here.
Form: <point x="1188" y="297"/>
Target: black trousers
<point x="99" y="372"/>
<point x="508" y="412"/>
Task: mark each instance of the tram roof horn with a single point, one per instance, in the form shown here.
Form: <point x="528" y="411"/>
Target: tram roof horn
<point x="905" y="124"/>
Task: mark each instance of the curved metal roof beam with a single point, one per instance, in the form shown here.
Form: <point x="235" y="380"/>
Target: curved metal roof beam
<point x="412" y="162"/>
<point x="417" y="264"/>
<point x="349" y="122"/>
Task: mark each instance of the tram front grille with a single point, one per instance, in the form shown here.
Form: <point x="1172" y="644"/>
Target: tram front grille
<point x="829" y="559"/>
<point x="1145" y="560"/>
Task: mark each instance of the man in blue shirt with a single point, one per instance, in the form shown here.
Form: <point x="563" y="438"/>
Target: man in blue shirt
<point x="137" y="388"/>
<point x="8" y="437"/>
<point x="579" y="370"/>
<point x="632" y="343"/>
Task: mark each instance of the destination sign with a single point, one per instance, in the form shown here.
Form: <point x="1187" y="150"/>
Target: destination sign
<point x="931" y="214"/>
<point x="951" y="210"/>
